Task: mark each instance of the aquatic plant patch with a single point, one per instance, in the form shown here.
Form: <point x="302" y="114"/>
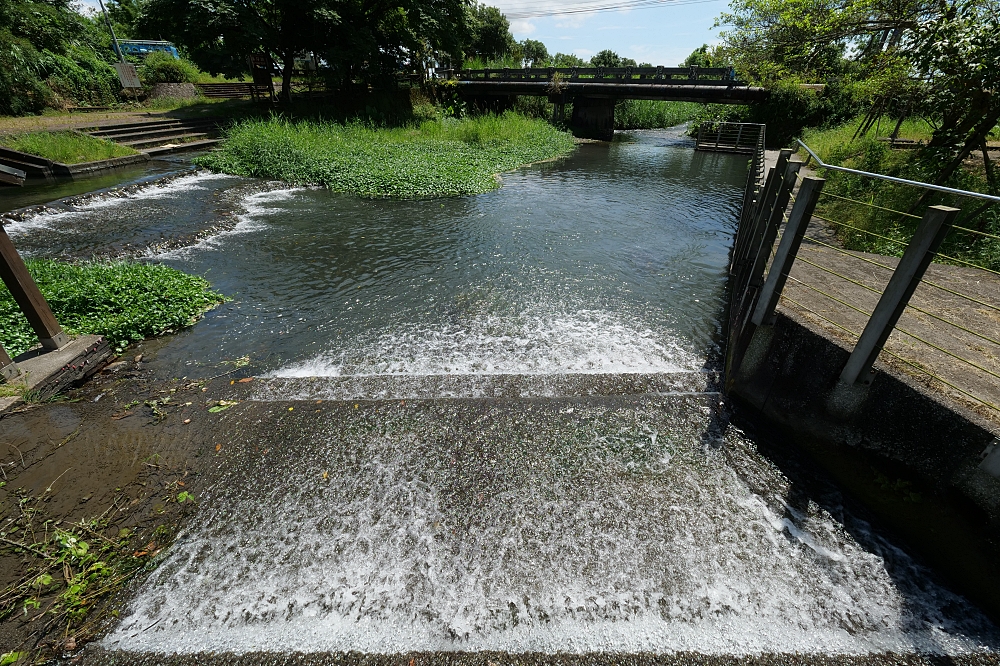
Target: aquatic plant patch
<point x="121" y="300"/>
<point x="66" y="147"/>
<point x="436" y="158"/>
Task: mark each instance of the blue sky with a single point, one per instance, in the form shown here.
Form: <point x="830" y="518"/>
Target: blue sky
<point x="663" y="34"/>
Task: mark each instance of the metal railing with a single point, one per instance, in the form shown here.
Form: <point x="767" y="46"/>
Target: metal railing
<point x="729" y="137"/>
<point x="632" y="75"/>
<point x="920" y="292"/>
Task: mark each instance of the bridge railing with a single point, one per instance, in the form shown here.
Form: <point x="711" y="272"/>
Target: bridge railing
<point x="631" y="75"/>
<point x="893" y="279"/>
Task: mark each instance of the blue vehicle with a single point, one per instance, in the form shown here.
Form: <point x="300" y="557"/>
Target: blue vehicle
<point x="143" y="47"/>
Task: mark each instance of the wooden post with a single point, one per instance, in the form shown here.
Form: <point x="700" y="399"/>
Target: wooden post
<point x="26" y="294"/>
<point x="934" y="226"/>
<point x="788" y="248"/>
<point x="8" y="369"/>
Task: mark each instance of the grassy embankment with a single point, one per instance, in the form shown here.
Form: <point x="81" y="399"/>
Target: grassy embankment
<point x="435" y="158"/>
<point x="123" y="301"/>
<point x="67" y="147"/>
<point x="867" y="153"/>
<point x="631" y="114"/>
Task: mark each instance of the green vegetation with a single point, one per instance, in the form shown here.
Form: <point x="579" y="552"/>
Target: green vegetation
<point x="162" y="67"/>
<point x="651" y="114"/>
<point x="435" y="158"/>
<point x="121" y="300"/>
<point x="856" y="222"/>
<point x="66" y="147"/>
<point x="68" y="569"/>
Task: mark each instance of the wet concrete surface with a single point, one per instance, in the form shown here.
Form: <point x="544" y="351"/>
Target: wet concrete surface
<point x="99" y="656"/>
<point x="125" y="440"/>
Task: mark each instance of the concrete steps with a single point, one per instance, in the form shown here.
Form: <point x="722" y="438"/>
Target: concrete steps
<point x="162" y="136"/>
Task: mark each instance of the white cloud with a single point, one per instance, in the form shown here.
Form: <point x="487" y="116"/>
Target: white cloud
<point x="522" y="27"/>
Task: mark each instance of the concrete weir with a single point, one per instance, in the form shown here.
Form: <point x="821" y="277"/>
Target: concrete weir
<point x="611" y="521"/>
<point x="924" y="464"/>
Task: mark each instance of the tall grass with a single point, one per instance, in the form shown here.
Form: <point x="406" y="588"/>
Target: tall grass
<point x="123" y="301"/>
<point x="435" y="158"/>
<point x="66" y="147"/>
<point x="633" y="114"/>
<point x="871" y="203"/>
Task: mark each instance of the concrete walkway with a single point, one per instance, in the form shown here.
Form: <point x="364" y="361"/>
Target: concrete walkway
<point x="826" y="280"/>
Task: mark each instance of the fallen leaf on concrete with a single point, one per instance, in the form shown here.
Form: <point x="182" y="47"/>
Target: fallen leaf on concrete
<point x="218" y="447"/>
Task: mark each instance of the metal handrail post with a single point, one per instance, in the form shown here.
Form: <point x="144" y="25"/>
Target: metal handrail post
<point x="26" y="294"/>
<point x="769" y="231"/>
<point x="788" y="248"/>
<point x="761" y="212"/>
<point x="933" y="228"/>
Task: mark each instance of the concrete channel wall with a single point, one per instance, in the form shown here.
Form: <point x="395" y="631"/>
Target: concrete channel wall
<point x="915" y="438"/>
<point x="920" y="464"/>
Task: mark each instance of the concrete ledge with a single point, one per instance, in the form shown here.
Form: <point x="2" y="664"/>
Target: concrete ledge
<point x="100" y="165"/>
<point x="921" y="463"/>
<point x="49" y="372"/>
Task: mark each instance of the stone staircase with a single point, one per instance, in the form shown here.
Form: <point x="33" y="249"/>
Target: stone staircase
<point x="158" y="137"/>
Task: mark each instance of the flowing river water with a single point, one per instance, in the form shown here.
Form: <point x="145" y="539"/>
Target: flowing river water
<point x="521" y="445"/>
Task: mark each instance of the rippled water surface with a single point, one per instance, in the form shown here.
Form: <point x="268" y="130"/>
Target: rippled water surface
<point x="611" y="260"/>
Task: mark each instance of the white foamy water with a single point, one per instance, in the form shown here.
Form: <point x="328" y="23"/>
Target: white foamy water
<point x="55" y="219"/>
<point x="255" y="208"/>
<point x="568" y="527"/>
<point x="535" y="341"/>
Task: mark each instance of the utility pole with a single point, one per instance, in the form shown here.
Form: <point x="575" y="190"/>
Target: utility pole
<point x="126" y="71"/>
<point x="114" y="38"/>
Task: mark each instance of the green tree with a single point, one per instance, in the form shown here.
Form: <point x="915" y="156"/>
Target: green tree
<point x="357" y="39"/>
<point x="534" y="53"/>
<point x="608" y="58"/>
<point x="568" y="60"/>
<point x="957" y="55"/>
<point x="706" y="56"/>
<point x="125" y="15"/>
<point x="489" y="33"/>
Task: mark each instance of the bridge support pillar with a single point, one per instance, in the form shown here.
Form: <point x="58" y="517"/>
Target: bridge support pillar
<point x="594" y="118"/>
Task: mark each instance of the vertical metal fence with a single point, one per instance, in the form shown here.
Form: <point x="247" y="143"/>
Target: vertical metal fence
<point x="898" y="271"/>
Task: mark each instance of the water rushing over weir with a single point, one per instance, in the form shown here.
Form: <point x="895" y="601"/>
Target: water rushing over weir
<point x="491" y="423"/>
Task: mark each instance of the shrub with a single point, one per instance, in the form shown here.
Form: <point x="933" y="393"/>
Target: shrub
<point x="21" y="91"/>
<point x="159" y="67"/>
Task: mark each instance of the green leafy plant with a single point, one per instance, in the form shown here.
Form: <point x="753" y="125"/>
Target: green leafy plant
<point x="436" y="158"/>
<point x="159" y="67"/>
<point x="650" y="114"/>
<point x="124" y="301"/>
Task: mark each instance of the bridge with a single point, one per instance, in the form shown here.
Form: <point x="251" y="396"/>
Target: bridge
<point x="593" y="91"/>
